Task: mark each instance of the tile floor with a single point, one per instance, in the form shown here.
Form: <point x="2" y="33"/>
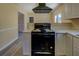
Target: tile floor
<point x="15" y="49"/>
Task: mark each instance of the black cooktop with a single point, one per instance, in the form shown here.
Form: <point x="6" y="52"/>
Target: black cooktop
<point x="42" y="26"/>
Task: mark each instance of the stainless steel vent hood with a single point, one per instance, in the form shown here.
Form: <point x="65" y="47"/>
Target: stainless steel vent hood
<point x="42" y="8"/>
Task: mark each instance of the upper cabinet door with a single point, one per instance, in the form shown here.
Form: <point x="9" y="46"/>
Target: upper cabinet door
<point x="67" y="11"/>
<point x="71" y="10"/>
<point x="75" y="10"/>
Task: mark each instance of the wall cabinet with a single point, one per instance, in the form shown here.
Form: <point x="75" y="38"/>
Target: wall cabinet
<point x="75" y="10"/>
<point x="68" y="44"/>
<point x="67" y="11"/>
<point x="71" y="10"/>
<point x="63" y="9"/>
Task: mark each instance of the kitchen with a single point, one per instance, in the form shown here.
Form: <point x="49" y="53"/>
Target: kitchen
<point x="56" y="22"/>
<point x="64" y="22"/>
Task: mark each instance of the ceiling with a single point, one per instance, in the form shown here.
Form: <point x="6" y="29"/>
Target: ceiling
<point x="30" y="6"/>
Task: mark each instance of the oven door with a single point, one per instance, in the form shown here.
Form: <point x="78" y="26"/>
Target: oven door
<point x="43" y="44"/>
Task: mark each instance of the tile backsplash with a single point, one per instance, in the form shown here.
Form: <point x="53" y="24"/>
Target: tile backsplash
<point x="75" y="23"/>
<point x="62" y="26"/>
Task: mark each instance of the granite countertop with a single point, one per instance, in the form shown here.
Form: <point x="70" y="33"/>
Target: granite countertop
<point x="75" y="34"/>
<point x="62" y="31"/>
<point x="71" y="32"/>
<point x="65" y="31"/>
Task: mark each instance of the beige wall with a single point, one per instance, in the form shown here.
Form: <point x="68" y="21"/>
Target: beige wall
<point x="8" y="16"/>
<point x="40" y="17"/>
<point x="8" y="24"/>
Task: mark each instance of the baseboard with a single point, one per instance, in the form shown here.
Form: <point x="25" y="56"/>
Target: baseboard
<point x="26" y="54"/>
<point x="5" y="46"/>
<point x="62" y="54"/>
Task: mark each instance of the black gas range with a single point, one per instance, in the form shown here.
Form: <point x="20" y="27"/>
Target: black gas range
<point x="43" y="42"/>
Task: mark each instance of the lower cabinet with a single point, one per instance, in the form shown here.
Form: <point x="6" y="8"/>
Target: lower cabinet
<point x="71" y="45"/>
<point x="65" y="44"/>
<point x="75" y="46"/>
<point x="68" y="44"/>
<point x="26" y="38"/>
<point x="60" y="44"/>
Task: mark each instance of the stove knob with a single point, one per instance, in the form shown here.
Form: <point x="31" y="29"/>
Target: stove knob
<point x="51" y="47"/>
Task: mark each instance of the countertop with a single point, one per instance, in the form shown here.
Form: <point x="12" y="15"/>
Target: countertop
<point x="71" y="32"/>
<point x="75" y="34"/>
<point x="62" y="31"/>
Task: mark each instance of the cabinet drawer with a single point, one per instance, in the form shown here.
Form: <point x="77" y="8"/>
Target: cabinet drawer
<point x="75" y="46"/>
<point x="76" y="51"/>
<point x="75" y="42"/>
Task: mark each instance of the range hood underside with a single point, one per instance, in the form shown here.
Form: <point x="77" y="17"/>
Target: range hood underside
<point x="41" y="11"/>
<point x="42" y="8"/>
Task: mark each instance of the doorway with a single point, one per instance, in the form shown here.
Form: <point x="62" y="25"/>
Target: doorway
<point x="20" y="23"/>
